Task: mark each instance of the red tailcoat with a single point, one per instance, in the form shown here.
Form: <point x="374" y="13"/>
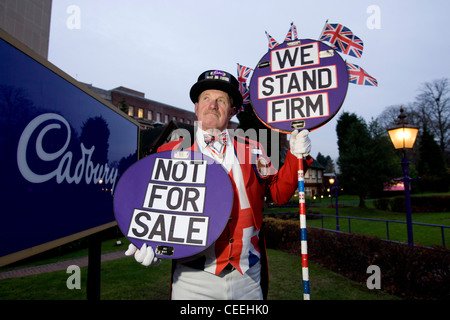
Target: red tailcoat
<point x="260" y="180"/>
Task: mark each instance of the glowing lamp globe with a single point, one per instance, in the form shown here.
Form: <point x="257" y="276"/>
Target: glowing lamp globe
<point x="403" y="135"/>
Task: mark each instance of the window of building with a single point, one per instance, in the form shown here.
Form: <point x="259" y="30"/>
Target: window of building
<point x="166" y="118"/>
<point x="130" y="111"/>
<point x="150" y="115"/>
<point x="158" y="116"/>
<point x="140" y="113"/>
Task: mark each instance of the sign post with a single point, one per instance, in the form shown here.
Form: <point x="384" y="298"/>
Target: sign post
<point x="177" y="202"/>
<point x="299" y="84"/>
<point x="303" y="237"/>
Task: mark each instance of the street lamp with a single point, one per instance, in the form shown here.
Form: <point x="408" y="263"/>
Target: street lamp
<point x="403" y="137"/>
<point x="334" y="181"/>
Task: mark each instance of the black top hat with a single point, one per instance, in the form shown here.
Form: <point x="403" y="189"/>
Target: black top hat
<point x="219" y="80"/>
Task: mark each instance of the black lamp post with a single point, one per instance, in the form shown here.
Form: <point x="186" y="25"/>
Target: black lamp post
<point x="403" y="137"/>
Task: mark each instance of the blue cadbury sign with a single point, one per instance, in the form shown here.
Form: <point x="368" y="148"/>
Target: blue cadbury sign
<point x="62" y="152"/>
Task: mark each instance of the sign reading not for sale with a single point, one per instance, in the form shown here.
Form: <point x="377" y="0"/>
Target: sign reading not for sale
<point x="177" y="202"/>
<point x="298" y="85"/>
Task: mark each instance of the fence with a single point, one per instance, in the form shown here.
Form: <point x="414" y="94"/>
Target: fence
<point x="386" y="221"/>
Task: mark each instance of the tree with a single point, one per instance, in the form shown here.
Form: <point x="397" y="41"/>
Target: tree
<point x="123" y="106"/>
<point x="327" y="162"/>
<point x="95" y="132"/>
<point x="389" y="116"/>
<point x="353" y="136"/>
<point x="430" y="158"/>
<point x="365" y="157"/>
<point x="433" y="105"/>
<point x="384" y="158"/>
<point x="431" y="166"/>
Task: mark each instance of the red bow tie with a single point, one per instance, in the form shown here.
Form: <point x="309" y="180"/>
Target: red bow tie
<point x="222" y="138"/>
<point x="217" y="149"/>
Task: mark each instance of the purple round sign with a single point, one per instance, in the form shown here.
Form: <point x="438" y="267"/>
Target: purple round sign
<point x="177" y="202"/>
<point x="299" y="84"/>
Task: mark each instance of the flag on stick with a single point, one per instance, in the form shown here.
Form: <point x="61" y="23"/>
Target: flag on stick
<point x="243" y="74"/>
<point x="272" y="42"/>
<point x="358" y="75"/>
<point x="292" y="34"/>
<point x="342" y="39"/>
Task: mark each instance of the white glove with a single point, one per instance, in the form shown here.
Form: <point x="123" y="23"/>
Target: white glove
<point x="145" y="256"/>
<point x="299" y="143"/>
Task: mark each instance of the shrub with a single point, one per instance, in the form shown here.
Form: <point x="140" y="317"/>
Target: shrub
<point x="382" y="204"/>
<point x="397" y="204"/>
<point x="432" y="183"/>
<point x="439" y="203"/>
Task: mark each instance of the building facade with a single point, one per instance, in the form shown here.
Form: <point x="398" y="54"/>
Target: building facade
<point x="137" y="106"/>
<point x="28" y="21"/>
<point x="314" y="180"/>
<point x="147" y="112"/>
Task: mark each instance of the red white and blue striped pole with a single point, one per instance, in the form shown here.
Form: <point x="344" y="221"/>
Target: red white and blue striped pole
<point x="304" y="245"/>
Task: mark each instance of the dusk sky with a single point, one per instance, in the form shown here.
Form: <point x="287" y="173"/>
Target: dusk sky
<point x="160" y="47"/>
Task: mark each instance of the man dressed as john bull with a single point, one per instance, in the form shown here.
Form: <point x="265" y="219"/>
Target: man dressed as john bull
<point x="234" y="267"/>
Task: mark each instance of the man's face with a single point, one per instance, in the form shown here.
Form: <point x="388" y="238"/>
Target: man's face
<point x="214" y="109"/>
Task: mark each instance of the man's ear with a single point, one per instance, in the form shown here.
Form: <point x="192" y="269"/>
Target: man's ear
<point x="232" y="112"/>
<point x="196" y="108"/>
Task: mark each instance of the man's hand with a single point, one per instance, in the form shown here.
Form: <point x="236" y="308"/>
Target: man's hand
<point x="300" y="144"/>
<point x="145" y="256"/>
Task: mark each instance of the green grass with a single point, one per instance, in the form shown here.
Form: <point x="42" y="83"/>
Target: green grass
<point x="424" y="236"/>
<point x="125" y="279"/>
<point x="286" y="282"/>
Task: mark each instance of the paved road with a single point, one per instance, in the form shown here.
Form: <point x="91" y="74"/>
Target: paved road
<point x="57" y="266"/>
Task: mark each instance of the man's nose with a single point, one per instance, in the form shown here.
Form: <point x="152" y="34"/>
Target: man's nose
<point x="213" y="104"/>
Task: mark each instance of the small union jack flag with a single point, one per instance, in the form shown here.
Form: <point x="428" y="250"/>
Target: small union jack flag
<point x="272" y="42"/>
<point x="243" y="73"/>
<point x="342" y="39"/>
<point x="292" y="34"/>
<point x="357" y="75"/>
<point x="337" y="34"/>
<point x="355" y="48"/>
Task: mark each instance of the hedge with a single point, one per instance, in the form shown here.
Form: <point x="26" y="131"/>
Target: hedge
<point x="417" y="273"/>
<point x="440" y="203"/>
<point x="422" y="204"/>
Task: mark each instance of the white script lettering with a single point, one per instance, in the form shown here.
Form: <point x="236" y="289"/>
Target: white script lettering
<point x="83" y="168"/>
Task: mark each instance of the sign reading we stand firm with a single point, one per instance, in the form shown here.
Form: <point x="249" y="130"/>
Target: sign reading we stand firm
<point x="298" y="85"/>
